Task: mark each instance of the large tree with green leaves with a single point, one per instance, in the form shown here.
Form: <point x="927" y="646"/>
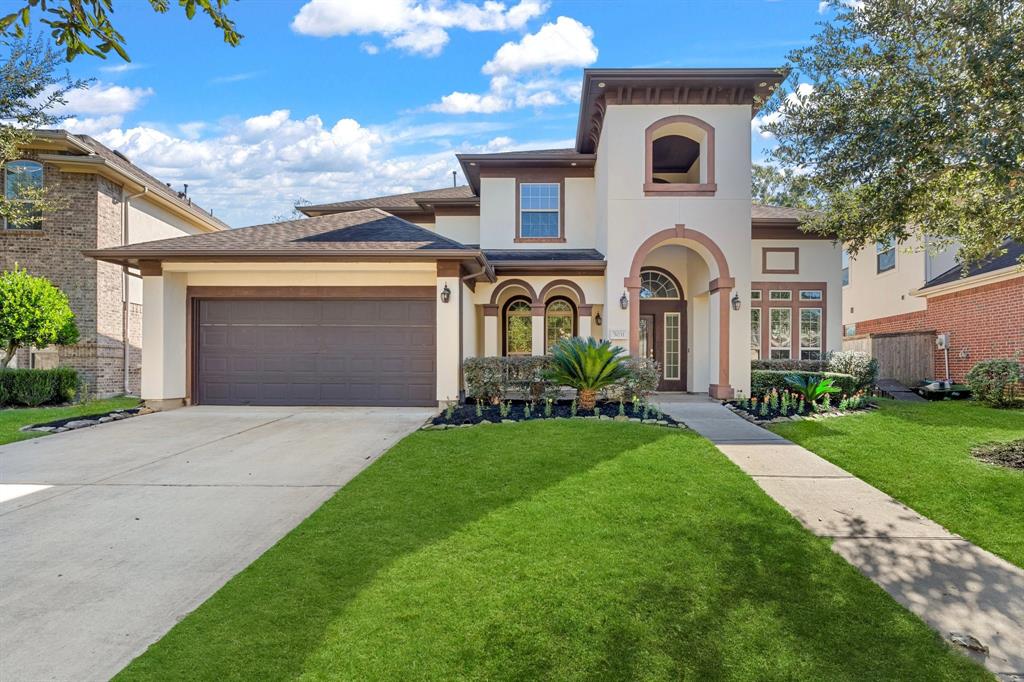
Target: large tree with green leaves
<point x="782" y="187"/>
<point x="33" y="313"/>
<point x="914" y="122"/>
<point x="33" y="81"/>
<point x="85" y="26"/>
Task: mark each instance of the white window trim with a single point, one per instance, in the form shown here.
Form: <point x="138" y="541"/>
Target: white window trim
<point x="679" y="347"/>
<point x="819" y="292"/>
<point x="557" y="210"/>
<point x="789" y="348"/>
<point x="788" y="298"/>
<point x="800" y="333"/>
<point x="885" y="250"/>
<point x="755" y="294"/>
<point x="760" y="331"/>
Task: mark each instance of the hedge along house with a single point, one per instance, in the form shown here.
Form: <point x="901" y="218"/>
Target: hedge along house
<point x="643" y="234"/>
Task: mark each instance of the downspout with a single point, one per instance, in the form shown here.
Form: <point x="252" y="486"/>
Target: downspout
<point x="125" y="291"/>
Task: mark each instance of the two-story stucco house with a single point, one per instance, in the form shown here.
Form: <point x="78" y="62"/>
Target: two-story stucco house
<point x="643" y="234"/>
<point x="103" y="200"/>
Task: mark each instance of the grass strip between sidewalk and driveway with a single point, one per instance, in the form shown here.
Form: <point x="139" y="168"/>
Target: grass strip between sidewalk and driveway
<point x="551" y="550"/>
<point x="920" y="454"/>
<point x="14" y="418"/>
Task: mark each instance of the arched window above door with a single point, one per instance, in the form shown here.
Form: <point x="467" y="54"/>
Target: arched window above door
<point x="657" y="285"/>
<point x="559" y="321"/>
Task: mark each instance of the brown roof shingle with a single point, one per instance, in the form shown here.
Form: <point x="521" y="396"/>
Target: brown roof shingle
<point x="365" y="231"/>
<point x="394" y="201"/>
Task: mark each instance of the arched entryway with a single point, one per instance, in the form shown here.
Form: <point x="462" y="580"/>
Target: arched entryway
<point x="662" y="328"/>
<point x="720" y="284"/>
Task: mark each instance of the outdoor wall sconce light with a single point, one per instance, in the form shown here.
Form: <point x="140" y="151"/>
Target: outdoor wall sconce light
<point x="597" y="319"/>
<point x="735" y="301"/>
<point x="446" y="294"/>
<point x="624" y="301"/>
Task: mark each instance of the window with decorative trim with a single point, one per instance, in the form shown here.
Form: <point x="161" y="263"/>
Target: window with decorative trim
<point x="655" y="285"/>
<point x="680" y="157"/>
<point x="559" y="321"/>
<point x="23" y="180"/>
<point x="517" y="325"/>
<point x="780" y="333"/>
<point x="810" y="295"/>
<point x="671" y="364"/>
<point x="885" y="255"/>
<point x="540" y="210"/>
<point x="780" y="295"/>
<point x="846" y="267"/>
<point x="755" y="295"/>
<point x="810" y="333"/>
<point x="755" y="333"/>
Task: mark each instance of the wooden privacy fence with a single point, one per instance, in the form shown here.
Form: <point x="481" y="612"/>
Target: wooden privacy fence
<point x="907" y="357"/>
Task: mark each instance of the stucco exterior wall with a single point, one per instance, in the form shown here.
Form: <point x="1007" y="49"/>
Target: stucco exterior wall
<point x="632" y="217"/>
<point x="464" y="229"/>
<point x="871" y="294"/>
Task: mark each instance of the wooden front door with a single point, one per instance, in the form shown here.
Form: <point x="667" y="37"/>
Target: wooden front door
<point x="662" y="336"/>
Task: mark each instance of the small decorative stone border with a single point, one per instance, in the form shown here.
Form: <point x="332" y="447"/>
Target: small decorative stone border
<point x="431" y="426"/>
<point x="457" y="416"/>
<point x="62" y="425"/>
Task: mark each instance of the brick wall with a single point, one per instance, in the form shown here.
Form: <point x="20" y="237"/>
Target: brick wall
<point x="90" y="217"/>
<point x="907" y="322"/>
<point x="983" y="323"/>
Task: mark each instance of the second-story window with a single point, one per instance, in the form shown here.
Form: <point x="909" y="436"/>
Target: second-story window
<point x="23" y="181"/>
<point x="885" y="252"/>
<point x="846" y="267"/>
<point x="539" y="208"/>
<point x="680" y="157"/>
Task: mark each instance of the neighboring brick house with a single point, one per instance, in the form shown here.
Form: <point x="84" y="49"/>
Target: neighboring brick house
<point x="918" y="293"/>
<point x="104" y="200"/>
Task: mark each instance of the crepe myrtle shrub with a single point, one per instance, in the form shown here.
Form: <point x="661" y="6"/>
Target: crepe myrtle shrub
<point x="762" y="381"/>
<point x="33" y="313"/>
<point x="995" y="383"/>
<point x="586" y="365"/>
<point x="856" y="363"/>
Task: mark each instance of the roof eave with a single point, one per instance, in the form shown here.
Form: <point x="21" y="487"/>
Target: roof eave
<point x="969" y="282"/>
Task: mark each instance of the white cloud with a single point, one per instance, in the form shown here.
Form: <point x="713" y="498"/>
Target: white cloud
<point x="235" y="77"/>
<point x="564" y="43"/>
<point x="800" y="97"/>
<point x="420" y="28"/>
<point x="369" y="48"/>
<point x="470" y="103"/>
<point x="92" y="126"/>
<point x="251" y="169"/>
<point x="103" y="99"/>
<point x="122" y="67"/>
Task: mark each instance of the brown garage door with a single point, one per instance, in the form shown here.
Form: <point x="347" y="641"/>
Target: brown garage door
<point x="316" y="352"/>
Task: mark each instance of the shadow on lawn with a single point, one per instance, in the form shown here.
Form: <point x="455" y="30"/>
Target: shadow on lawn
<point x="267" y="619"/>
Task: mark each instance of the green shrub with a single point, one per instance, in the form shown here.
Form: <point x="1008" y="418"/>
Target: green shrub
<point x="33" y="312"/>
<point x="764" y="380"/>
<point x="995" y="382"/>
<point x="493" y="379"/>
<point x="640" y="380"/>
<point x="859" y="364"/>
<point x="586" y="365"/>
<point x="790" y="364"/>
<point x="812" y="389"/>
<point x="34" y="387"/>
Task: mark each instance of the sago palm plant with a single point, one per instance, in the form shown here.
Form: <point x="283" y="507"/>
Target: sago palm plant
<point x="587" y="366"/>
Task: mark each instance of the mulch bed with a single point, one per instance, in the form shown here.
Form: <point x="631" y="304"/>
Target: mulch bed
<point x="1004" y="454"/>
<point x="466" y="415"/>
<point x="776" y="415"/>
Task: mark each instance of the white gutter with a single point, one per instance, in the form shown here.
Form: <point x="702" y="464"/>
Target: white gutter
<point x="125" y="287"/>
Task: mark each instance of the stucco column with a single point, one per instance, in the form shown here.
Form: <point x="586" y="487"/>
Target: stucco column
<point x="491" y="344"/>
<point x="586" y="322"/>
<point x="538" y="328"/>
<point x="633" y="291"/>
<point x="720" y="289"/>
<point x="164" y="340"/>
<point x="449" y="331"/>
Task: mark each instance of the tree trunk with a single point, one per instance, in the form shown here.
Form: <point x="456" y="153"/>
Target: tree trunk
<point x="588" y="398"/>
<point x="8" y="356"/>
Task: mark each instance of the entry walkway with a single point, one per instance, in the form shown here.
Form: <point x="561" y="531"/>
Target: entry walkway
<point x="948" y="582"/>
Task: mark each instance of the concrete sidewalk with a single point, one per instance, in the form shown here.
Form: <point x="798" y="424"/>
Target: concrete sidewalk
<point x="948" y="582"/>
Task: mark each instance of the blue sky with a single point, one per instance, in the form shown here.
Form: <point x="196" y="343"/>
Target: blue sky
<point x="335" y="99"/>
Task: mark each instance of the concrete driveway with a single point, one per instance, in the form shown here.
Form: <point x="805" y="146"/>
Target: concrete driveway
<point x="117" y="531"/>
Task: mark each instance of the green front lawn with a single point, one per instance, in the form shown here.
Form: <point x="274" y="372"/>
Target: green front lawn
<point x="920" y="453"/>
<point x="13" y="419"/>
<point x="551" y="550"/>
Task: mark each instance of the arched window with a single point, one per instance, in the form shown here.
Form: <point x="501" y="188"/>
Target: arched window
<point x="680" y="157"/>
<point x="518" y="327"/>
<point x="559" y="321"/>
<point x="657" y="285"/>
<point x="22" y="182"/>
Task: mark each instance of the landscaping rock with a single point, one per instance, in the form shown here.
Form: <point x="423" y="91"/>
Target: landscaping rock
<point x="508" y="421"/>
<point x="621" y="418"/>
<point x="104" y="420"/>
<point x="968" y="642"/>
<point x="44" y="429"/>
<point x="80" y="423"/>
